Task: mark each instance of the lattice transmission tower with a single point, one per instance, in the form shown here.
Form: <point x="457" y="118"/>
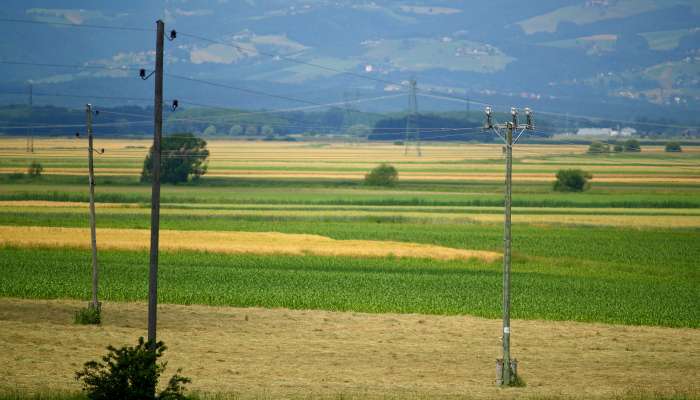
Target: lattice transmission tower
<point x="412" y="129"/>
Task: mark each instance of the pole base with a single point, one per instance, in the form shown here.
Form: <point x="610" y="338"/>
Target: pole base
<point x="513" y="372"/>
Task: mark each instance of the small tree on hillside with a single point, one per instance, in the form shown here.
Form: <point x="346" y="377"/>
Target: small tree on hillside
<point x="182" y="155"/>
<point x="632" y="146"/>
<point x="210" y="131"/>
<point x="383" y="175"/>
<point x="572" y="180"/>
<point x="235" y="130"/>
<point x="673" y="147"/>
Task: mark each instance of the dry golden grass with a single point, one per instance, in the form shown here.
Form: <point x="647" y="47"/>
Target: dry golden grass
<point x="232" y="242"/>
<point x="288" y="152"/>
<point x="448" y="161"/>
<point x="282" y="353"/>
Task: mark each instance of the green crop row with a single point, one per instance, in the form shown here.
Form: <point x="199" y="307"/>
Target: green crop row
<point x="542" y="289"/>
<point x="122" y="195"/>
<point x="665" y="252"/>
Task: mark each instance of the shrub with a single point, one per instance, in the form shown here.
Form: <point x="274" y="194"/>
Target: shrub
<point x="632" y="145"/>
<point x="182" y="155"/>
<point x="35" y="169"/>
<point x="673" y="147"/>
<point x="617" y="148"/>
<point x="572" y="180"/>
<point x="598" y="148"/>
<point x="130" y="373"/>
<point x="89" y="315"/>
<point x="383" y="175"/>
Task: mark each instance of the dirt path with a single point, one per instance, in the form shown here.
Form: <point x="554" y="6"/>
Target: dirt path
<point x="282" y="353"/>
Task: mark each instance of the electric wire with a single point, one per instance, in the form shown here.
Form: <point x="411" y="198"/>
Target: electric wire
<point x="430" y="93"/>
<point x="71" y="25"/>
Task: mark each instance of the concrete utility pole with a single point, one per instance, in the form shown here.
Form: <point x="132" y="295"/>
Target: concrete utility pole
<point x="506" y="368"/>
<point x="155" y="191"/>
<point x="91" y="180"/>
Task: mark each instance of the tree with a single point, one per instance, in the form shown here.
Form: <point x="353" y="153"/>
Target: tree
<point x="210" y="131"/>
<point x="130" y="373"/>
<point x="632" y="145"/>
<point x="673" y="147"/>
<point x="35" y="169"/>
<point x="617" y="148"/>
<point x="598" y="148"/>
<point x="359" y="130"/>
<point x="235" y="130"/>
<point x="251" y="130"/>
<point x="182" y="155"/>
<point x="382" y="175"/>
<point x="572" y="180"/>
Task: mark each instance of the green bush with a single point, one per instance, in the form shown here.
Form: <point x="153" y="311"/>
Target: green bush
<point x="89" y="315"/>
<point x="673" y="147"/>
<point x="130" y="373"/>
<point x="598" y="148"/>
<point x="617" y="148"/>
<point x="572" y="180"/>
<point x="383" y="175"/>
<point x="35" y="169"/>
<point x="182" y="155"/>
<point x="632" y="146"/>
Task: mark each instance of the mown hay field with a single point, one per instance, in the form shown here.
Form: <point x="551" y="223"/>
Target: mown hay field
<point x="260" y="353"/>
<point x="291" y="226"/>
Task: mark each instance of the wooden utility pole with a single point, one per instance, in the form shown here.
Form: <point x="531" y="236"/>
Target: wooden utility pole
<point x="155" y="191"/>
<point x="93" y="234"/>
<point x="506" y="368"/>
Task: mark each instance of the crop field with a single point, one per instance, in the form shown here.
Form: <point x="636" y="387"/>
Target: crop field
<point x="320" y="285"/>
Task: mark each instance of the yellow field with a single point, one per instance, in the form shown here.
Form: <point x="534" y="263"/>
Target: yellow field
<point x="440" y="162"/>
<point x="232" y="242"/>
<point x="279" y="353"/>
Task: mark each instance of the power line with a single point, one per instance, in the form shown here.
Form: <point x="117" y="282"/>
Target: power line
<point x="287" y="58"/>
<point x="315" y="65"/>
<point x="81" y="96"/>
<point x="241" y="89"/>
<point x="428" y="93"/>
<point x="68" y="24"/>
<point x="569" y="115"/>
<point x="74" y="66"/>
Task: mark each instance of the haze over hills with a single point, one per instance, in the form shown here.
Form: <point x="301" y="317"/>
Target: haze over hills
<point x="621" y="59"/>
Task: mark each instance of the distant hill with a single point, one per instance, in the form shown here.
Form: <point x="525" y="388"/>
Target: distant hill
<point x="610" y="58"/>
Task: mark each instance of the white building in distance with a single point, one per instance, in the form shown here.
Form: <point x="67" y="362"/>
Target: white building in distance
<point x="606" y="132"/>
